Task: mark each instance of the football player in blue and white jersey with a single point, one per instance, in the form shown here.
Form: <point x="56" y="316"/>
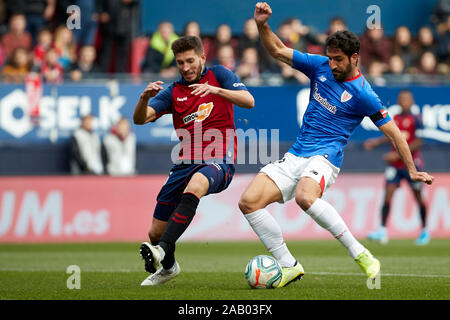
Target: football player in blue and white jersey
<point x="340" y="98"/>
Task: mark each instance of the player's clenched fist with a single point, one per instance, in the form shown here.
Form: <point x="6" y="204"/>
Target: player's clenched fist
<point x="262" y="13"/>
<point x="152" y="89"/>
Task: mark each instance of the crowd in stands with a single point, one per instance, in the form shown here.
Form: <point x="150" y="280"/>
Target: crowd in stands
<point x="34" y="37"/>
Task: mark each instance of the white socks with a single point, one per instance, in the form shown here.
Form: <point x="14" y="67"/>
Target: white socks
<point x="328" y="218"/>
<point x="269" y="232"/>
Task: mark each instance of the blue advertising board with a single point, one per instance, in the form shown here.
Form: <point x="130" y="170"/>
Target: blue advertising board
<point x="279" y="108"/>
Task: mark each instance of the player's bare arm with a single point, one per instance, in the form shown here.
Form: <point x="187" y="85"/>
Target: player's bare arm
<point x="394" y="135"/>
<point x="241" y="98"/>
<point x="143" y="113"/>
<point x="271" y="42"/>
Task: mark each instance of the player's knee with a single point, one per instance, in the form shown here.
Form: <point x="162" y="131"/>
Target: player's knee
<point x="247" y="205"/>
<point x="305" y="200"/>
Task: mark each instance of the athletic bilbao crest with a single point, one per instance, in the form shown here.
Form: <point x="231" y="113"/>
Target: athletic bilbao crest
<point x="345" y="96"/>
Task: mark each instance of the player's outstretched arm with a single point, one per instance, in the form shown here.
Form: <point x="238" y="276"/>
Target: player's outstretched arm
<point x="271" y="42"/>
<point x="241" y="98"/>
<point x="394" y="135"/>
<point x="143" y="113"/>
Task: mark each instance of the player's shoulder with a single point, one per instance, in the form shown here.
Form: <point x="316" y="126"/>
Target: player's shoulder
<point x="365" y="89"/>
<point x="227" y="78"/>
<point x="220" y="71"/>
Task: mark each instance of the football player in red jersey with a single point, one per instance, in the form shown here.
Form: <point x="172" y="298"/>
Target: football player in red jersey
<point x="408" y="124"/>
<point x="201" y="104"/>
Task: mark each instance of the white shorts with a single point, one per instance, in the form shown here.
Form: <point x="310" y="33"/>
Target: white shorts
<point x="287" y="172"/>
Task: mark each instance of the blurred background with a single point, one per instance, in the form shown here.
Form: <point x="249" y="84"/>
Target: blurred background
<point x="71" y="67"/>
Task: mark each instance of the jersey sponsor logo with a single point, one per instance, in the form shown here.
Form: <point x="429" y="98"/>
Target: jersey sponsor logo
<point x="238" y="84"/>
<point x="323" y="101"/>
<point x="203" y="112"/>
<point x="182" y="99"/>
<point x="346" y="96"/>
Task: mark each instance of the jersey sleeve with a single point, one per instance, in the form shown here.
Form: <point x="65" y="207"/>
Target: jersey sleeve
<point x="227" y="79"/>
<point x="307" y="63"/>
<point x="162" y="102"/>
<point x="374" y="109"/>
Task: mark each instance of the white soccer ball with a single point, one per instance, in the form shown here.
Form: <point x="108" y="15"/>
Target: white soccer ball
<point x="263" y="272"/>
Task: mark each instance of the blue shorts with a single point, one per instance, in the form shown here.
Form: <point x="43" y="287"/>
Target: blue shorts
<point x="395" y="176"/>
<point x="218" y="175"/>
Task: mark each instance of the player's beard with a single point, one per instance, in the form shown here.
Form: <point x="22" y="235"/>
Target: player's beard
<point x="198" y="73"/>
<point x="343" y="75"/>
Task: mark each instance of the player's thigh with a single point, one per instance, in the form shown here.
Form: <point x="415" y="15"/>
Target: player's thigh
<point x="261" y="192"/>
<point x="307" y="192"/>
<point x="197" y="185"/>
<point x="210" y="178"/>
<point x="156" y="230"/>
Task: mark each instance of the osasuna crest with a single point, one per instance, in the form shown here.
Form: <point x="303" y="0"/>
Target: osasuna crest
<point x="345" y="96"/>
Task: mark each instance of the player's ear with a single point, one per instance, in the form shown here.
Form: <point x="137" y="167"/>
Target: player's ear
<point x="354" y="59"/>
<point x="203" y="56"/>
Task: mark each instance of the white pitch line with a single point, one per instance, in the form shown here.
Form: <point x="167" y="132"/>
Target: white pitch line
<point x="307" y="273"/>
<point x="382" y="274"/>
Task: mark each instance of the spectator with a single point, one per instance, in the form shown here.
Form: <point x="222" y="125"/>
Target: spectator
<point x="250" y="39"/>
<point x="51" y="70"/>
<point x="85" y="36"/>
<point x="85" y="67"/>
<point x="225" y="57"/>
<point x="285" y="33"/>
<point x="3" y="17"/>
<point x="375" y="72"/>
<point x="425" y="41"/>
<point x="336" y="24"/>
<point x="427" y="63"/>
<point x="17" y="67"/>
<point x="375" y="47"/>
<point x="192" y="28"/>
<point x="116" y="26"/>
<point x="306" y="39"/>
<point x="441" y="13"/>
<point x="37" y="13"/>
<point x="85" y="149"/>
<point x="119" y="150"/>
<point x="223" y="37"/>
<point x="402" y="46"/>
<point x="443" y="41"/>
<point x="396" y="65"/>
<point x="17" y="37"/>
<point x="159" y="57"/>
<point x="44" y="43"/>
<point x="248" y="69"/>
<point x="65" y="46"/>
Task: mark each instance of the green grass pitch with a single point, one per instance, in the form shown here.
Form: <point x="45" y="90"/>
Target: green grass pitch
<point x="215" y="271"/>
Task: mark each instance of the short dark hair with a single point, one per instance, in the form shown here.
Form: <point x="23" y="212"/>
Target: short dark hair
<point x="186" y="43"/>
<point x="345" y="40"/>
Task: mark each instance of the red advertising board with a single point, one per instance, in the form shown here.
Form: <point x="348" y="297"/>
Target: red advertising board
<point x="78" y="209"/>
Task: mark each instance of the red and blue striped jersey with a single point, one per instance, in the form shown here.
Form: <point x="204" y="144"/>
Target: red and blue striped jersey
<point x="204" y="125"/>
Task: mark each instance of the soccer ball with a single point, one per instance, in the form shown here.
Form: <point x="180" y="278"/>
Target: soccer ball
<point x="263" y="272"/>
